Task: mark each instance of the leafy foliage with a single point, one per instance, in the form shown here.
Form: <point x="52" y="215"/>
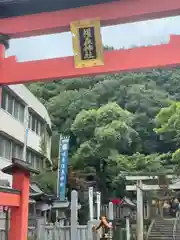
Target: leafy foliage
<point x="168" y="124"/>
<point x="118" y="124"/>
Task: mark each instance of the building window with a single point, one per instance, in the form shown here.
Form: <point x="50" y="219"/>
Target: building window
<point x="4" y="99"/>
<point x="9" y="149"/>
<point x="16" y="109"/>
<point x="39" y="163"/>
<point x="12" y="105"/>
<point x="17" y="151"/>
<point x="21" y="113"/>
<point x="35" y="160"/>
<point x="35" y="124"/>
<point x="5" y="147"/>
<point x="40" y="128"/>
<point x="28" y="157"/>
<point x="29" y="121"/>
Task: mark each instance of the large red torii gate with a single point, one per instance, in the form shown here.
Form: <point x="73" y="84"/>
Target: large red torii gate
<point x="12" y="72"/>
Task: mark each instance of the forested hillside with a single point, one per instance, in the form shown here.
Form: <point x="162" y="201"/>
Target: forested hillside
<point x="117" y="123"/>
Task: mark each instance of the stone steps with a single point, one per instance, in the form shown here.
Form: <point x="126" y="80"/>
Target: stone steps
<point x="163" y="230"/>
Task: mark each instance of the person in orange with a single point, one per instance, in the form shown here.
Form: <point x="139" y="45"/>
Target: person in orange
<point x="105" y="226"/>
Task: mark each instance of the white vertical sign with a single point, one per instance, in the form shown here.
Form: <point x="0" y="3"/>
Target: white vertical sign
<point x="128" y="235"/>
<point x="111" y="211"/>
<point x="98" y="202"/>
<point x="91" y="210"/>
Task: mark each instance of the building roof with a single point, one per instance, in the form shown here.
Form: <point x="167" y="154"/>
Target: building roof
<point x="34" y="188"/>
<point x="127" y="202"/>
<point x="37" y="193"/>
<point x="10" y="8"/>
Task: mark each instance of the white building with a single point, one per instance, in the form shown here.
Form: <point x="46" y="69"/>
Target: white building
<point x="23" y="119"/>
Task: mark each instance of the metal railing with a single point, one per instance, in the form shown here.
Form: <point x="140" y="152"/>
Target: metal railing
<point x="57" y="232"/>
<point x="175" y="227"/>
<point x="53" y="232"/>
<point x="150" y="228"/>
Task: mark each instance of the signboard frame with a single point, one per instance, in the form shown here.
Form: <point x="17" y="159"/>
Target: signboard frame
<point x="62" y="167"/>
<point x="95" y="26"/>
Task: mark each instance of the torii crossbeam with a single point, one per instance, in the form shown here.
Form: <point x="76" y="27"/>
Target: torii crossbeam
<point x="112" y="13"/>
<point x="161" y="56"/>
<point x="122" y="11"/>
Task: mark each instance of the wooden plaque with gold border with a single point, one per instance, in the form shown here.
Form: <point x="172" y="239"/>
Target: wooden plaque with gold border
<point x="87" y="43"/>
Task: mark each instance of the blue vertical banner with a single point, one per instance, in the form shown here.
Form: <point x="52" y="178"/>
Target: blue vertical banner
<point x="63" y="167"/>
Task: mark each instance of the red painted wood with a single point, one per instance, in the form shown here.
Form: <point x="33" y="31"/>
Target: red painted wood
<point x="166" y="55"/>
<point x="19" y="216"/>
<point x="9" y="199"/>
<point x="116" y="201"/>
<point x="2" y="52"/>
<point x="109" y="13"/>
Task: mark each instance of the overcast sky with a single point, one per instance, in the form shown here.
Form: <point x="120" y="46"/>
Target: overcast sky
<point x="126" y="35"/>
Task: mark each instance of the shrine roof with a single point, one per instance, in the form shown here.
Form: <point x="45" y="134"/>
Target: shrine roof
<point x="13" y="8"/>
<point x="127" y="202"/>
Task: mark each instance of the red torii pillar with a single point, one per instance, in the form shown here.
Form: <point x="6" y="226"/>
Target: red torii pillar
<point x="17" y="198"/>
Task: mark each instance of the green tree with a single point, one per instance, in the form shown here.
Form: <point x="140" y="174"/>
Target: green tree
<point x="168" y="128"/>
<point x="111" y="121"/>
<point x="168" y="125"/>
<point x="101" y="133"/>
